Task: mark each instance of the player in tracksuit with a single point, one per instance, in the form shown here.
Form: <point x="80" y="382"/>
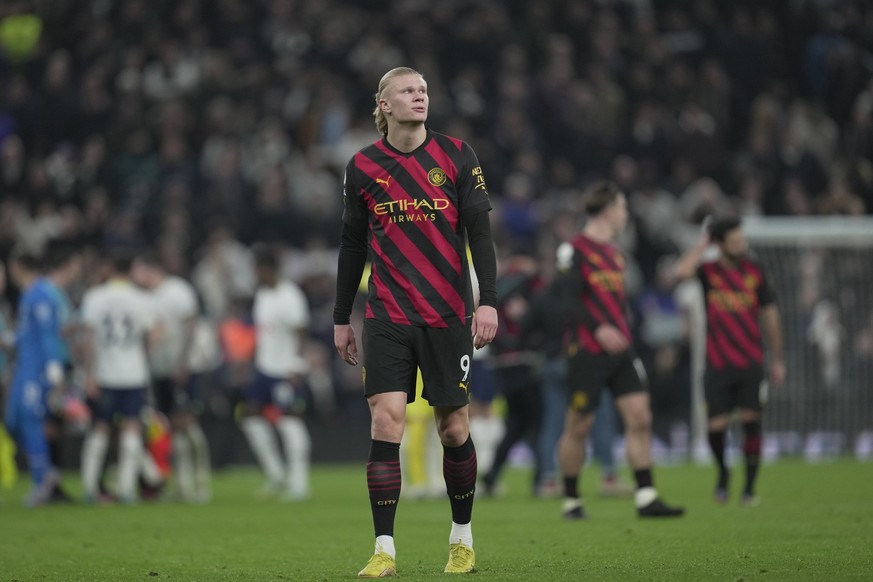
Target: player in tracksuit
<point x="38" y="371"/>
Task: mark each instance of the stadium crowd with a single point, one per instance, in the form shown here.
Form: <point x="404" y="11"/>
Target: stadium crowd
<point x="197" y="129"/>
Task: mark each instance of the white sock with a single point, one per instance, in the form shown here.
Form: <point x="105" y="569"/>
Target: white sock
<point x="149" y="469"/>
<point x="129" y="455"/>
<point x="298" y="446"/>
<point x="263" y="442"/>
<point x="184" y="465"/>
<point x="386" y="544"/>
<point x="462" y="533"/>
<point x="644" y="496"/>
<point x="202" y="462"/>
<point x="93" y="455"/>
<point x="570" y="503"/>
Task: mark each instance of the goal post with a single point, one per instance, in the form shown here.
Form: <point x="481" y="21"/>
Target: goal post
<point x="822" y="272"/>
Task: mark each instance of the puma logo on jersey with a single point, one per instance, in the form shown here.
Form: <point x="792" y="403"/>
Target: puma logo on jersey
<point x="385" y="182"/>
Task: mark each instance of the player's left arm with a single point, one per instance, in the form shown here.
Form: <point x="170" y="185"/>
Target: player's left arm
<point x="484" y="326"/>
<point x="772" y="328"/>
<point x="773" y="333"/>
<point x="474" y="206"/>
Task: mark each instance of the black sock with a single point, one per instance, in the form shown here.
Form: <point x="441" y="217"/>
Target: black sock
<point x="54" y="446"/>
<point x="383" y="482"/>
<point x="716" y="443"/>
<point x="459" y="471"/>
<point x="52" y="430"/>
<point x="571" y="487"/>
<point x="643" y="477"/>
<point x="752" y="451"/>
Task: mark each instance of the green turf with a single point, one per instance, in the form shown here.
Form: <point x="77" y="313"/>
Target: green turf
<point x="815" y="523"/>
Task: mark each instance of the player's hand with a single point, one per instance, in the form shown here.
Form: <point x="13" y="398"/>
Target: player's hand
<point x="611" y="339"/>
<point x="484" y="326"/>
<point x="346" y="346"/>
<point x="777" y="374"/>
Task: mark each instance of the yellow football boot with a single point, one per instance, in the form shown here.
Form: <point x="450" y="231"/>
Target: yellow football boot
<point x="462" y="559"/>
<point x="381" y="565"/>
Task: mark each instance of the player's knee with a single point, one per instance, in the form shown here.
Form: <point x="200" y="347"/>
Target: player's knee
<point x="387" y="427"/>
<point x="454" y="436"/>
<point x="748" y="415"/>
<point x="578" y="426"/>
<point x="718" y="422"/>
<point x="639" y="420"/>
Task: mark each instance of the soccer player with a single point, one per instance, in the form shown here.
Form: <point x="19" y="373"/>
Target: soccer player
<point x="64" y="268"/>
<point x="38" y="370"/>
<point x="739" y="302"/>
<point x="415" y="198"/>
<point x="601" y="354"/>
<point x="119" y="325"/>
<point x="173" y="384"/>
<point x="516" y="367"/>
<point x="277" y="393"/>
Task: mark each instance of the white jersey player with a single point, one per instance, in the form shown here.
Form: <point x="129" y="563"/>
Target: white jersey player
<point x="119" y="323"/>
<point x="174" y="386"/>
<point x="276" y="393"/>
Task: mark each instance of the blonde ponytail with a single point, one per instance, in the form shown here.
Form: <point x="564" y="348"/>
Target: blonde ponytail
<point x="378" y="114"/>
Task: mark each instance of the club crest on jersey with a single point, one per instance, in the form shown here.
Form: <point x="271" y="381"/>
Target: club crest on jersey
<point x="437" y="177"/>
<point x="750" y="281"/>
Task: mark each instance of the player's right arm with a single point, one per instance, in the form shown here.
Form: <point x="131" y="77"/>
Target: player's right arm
<point x="686" y="266"/>
<point x="572" y="283"/>
<point x="350" y="266"/>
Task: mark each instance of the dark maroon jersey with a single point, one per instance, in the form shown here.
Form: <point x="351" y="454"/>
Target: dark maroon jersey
<point x="414" y="204"/>
<point x="734" y="297"/>
<point x="596" y="274"/>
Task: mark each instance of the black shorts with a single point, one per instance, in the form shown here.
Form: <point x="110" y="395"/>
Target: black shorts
<point x="731" y="388"/>
<point x="588" y="375"/>
<point x="169" y="398"/>
<point x="393" y="353"/>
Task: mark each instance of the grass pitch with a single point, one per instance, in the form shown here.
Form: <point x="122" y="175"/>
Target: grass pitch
<point x="815" y="523"/>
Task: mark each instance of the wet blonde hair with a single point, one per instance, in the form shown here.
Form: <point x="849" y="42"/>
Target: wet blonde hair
<point x="378" y="115"/>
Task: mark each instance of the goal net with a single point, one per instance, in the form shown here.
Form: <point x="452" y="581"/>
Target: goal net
<point x="822" y="272"/>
